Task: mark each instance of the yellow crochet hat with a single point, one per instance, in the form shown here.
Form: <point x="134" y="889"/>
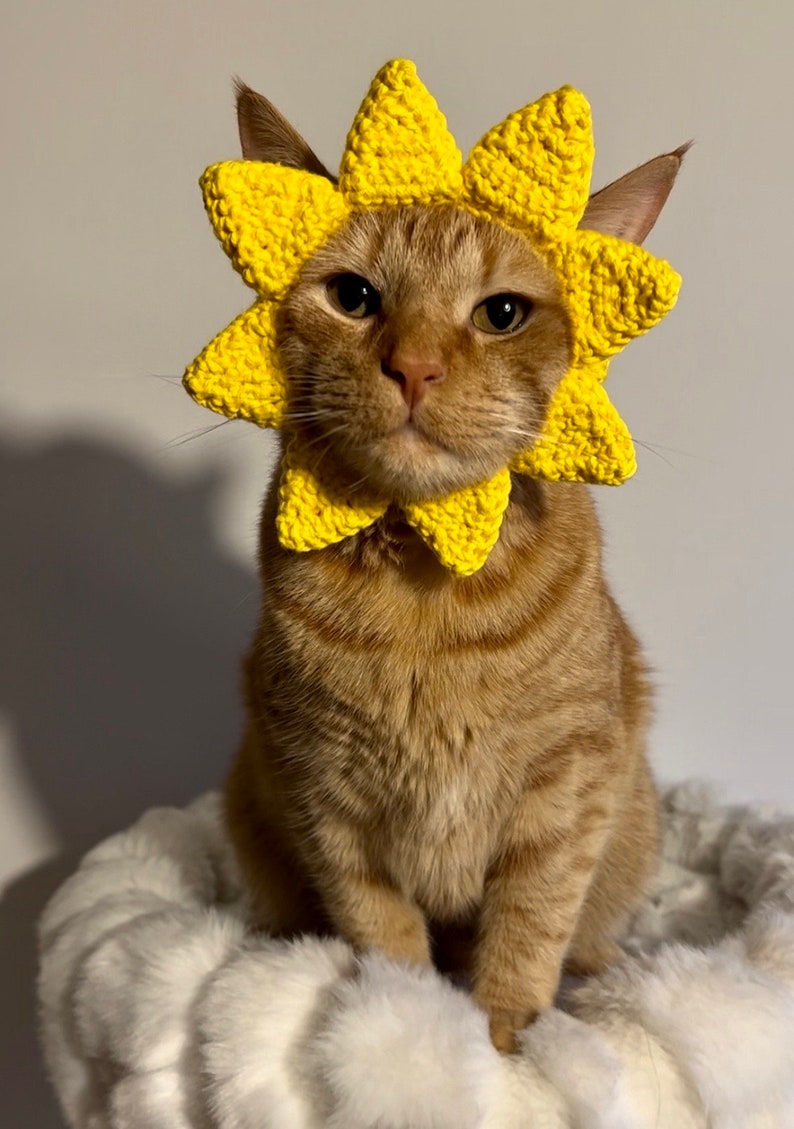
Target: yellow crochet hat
<point x="530" y="173"/>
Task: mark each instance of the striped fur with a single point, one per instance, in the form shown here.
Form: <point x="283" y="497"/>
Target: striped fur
<point x="441" y="768"/>
<point x="428" y="752"/>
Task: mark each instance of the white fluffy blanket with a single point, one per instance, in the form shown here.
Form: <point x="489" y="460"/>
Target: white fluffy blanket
<point x="161" y="1011"/>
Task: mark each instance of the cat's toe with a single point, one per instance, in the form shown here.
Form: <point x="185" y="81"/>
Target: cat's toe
<point x="504" y="1026"/>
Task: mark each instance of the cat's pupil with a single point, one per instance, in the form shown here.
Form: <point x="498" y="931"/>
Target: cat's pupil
<point x="355" y="295"/>
<point x="501" y="311"/>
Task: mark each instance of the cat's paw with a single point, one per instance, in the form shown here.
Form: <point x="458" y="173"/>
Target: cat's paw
<point x="503" y="1027"/>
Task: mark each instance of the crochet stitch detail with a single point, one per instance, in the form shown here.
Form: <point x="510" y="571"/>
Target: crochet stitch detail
<point x="315" y="513"/>
<point x="227" y="376"/>
<point x="584" y="438"/>
<point x="530" y="173"/>
<point x="399" y="150"/>
<point x="463" y="527"/>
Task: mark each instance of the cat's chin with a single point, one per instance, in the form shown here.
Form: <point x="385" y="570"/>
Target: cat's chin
<point x="409" y="465"/>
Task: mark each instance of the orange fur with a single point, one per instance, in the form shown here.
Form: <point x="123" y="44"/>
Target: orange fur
<point x="436" y="765"/>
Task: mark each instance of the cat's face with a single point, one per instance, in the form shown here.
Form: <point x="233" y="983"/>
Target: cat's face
<point x="422" y="345"/>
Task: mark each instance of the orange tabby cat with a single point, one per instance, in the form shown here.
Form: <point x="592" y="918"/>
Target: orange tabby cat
<point x="433" y="760"/>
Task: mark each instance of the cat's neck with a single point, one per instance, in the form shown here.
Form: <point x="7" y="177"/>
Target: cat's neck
<point x="542" y="520"/>
<point x="539" y="512"/>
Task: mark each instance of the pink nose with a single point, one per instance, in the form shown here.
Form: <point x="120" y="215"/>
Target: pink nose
<point x="413" y="376"/>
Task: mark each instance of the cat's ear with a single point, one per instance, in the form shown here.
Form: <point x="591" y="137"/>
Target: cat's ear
<point x="266" y="135"/>
<point x="629" y="207"/>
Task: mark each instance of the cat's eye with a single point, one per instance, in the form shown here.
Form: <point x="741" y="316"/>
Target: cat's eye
<point x="501" y="313"/>
<point x="353" y="295"/>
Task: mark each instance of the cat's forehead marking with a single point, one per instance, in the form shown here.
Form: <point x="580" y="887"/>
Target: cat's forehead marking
<point x="439" y="247"/>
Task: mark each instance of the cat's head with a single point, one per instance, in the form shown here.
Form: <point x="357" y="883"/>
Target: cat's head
<point x="422" y="344"/>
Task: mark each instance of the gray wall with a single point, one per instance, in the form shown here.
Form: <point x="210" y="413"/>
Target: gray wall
<point x="126" y="580"/>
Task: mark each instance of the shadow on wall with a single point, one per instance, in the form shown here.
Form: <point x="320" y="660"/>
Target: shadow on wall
<point x="123" y="629"/>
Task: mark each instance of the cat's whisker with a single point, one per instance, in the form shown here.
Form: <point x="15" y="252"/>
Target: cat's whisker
<point x="167" y="378"/>
<point x="312" y="414"/>
<point x="318" y="456"/>
<point x="522" y="433"/>
<point x="653" y="451"/>
<point x="307" y="444"/>
<point x="198" y="434"/>
<point x="662" y="447"/>
<point x="363" y="481"/>
<point x="530" y="438"/>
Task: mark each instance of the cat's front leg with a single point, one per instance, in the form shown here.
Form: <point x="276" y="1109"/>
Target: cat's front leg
<point x="364" y="906"/>
<point x="534" y="892"/>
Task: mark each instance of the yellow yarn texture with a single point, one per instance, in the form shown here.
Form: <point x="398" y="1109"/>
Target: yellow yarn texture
<point x="531" y="173"/>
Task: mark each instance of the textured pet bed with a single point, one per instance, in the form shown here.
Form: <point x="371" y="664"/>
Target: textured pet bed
<point x="161" y="1011"/>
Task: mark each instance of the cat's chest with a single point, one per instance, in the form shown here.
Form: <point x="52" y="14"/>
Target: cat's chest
<point x="423" y="776"/>
<point x="409" y="730"/>
<point x="435" y="842"/>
